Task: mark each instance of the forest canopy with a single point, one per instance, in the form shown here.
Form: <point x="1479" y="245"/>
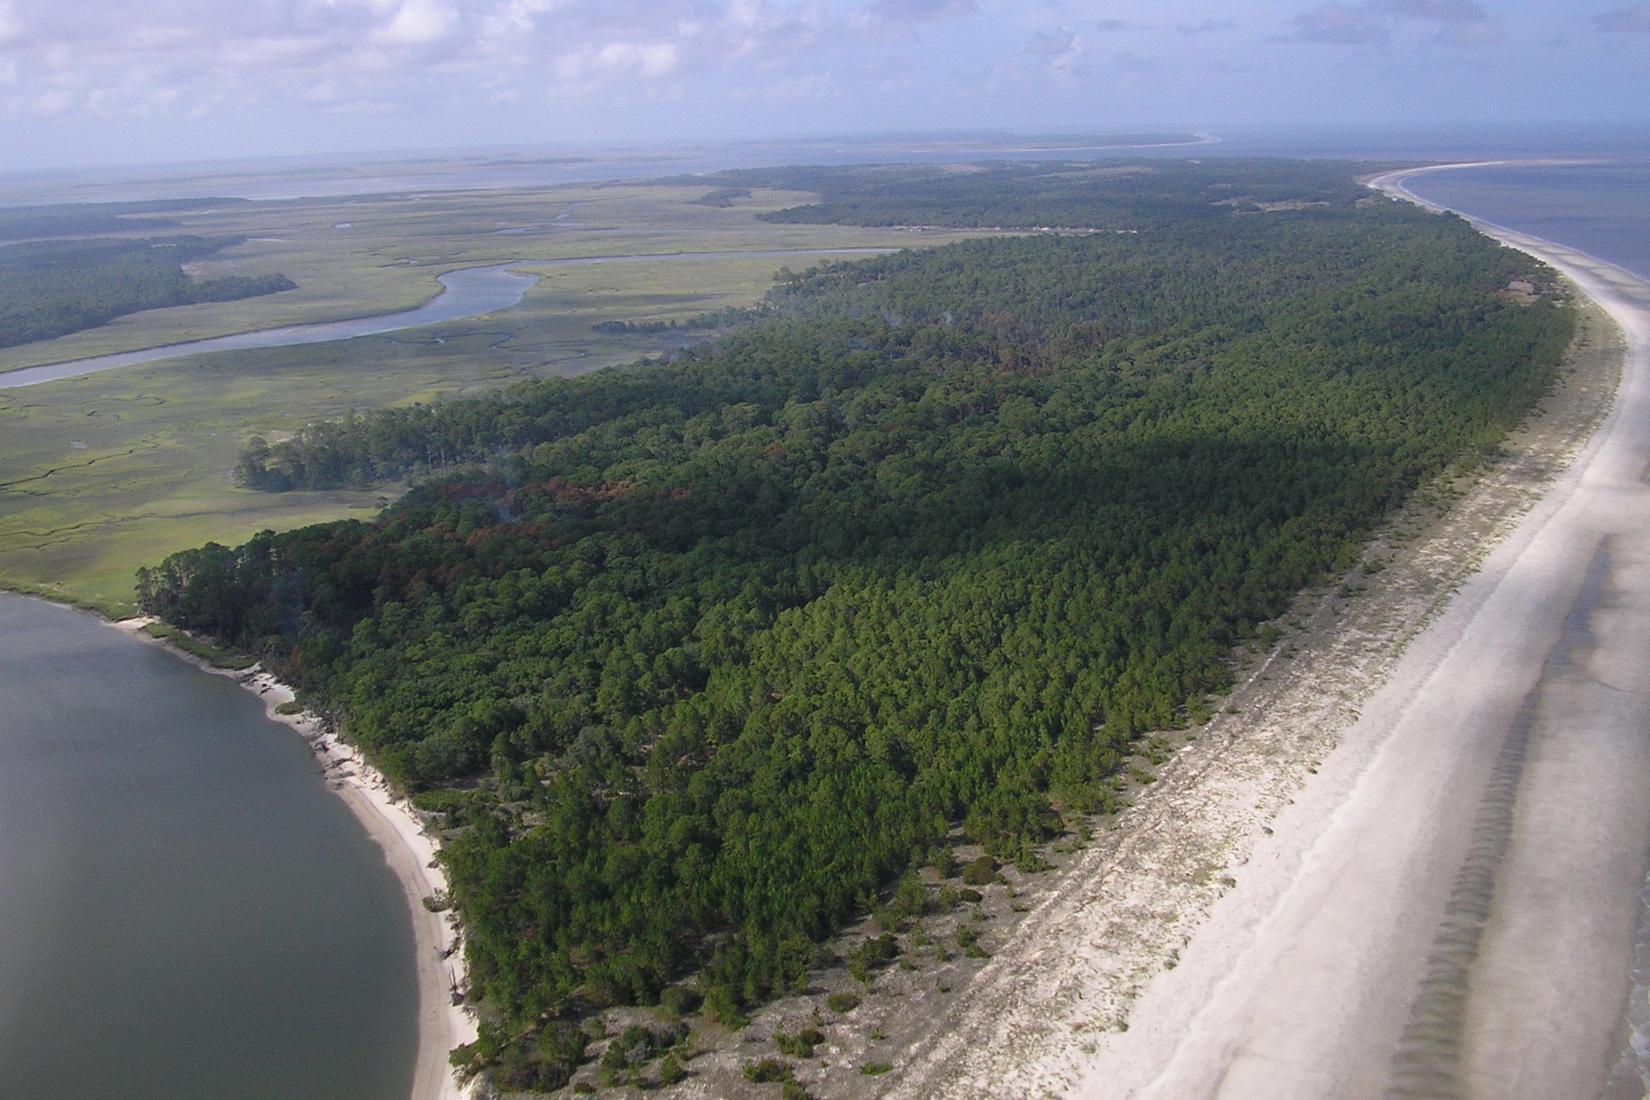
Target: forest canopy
<point x="55" y="287"/>
<point x="702" y="656"/>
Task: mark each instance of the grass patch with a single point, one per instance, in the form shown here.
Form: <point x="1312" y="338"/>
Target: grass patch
<point x="211" y="654"/>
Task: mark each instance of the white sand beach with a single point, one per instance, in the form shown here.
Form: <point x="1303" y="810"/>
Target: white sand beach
<point x="410" y="854"/>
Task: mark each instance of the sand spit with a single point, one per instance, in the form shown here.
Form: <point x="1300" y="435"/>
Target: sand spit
<point x="1411" y="864"/>
<point x="410" y="853"/>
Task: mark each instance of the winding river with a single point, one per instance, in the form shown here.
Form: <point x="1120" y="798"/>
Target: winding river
<point x="468" y="292"/>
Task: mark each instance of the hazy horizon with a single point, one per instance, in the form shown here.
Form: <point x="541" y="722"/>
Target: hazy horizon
<point x="181" y="81"/>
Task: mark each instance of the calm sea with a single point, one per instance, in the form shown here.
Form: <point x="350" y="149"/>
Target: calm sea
<point x="185" y="909"/>
<point x="1602" y="208"/>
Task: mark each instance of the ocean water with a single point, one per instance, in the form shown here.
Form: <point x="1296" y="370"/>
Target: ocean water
<point x="185" y="909"/>
<point x="1600" y="206"/>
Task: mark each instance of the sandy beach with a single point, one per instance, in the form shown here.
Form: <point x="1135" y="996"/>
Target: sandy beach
<point x="410" y="854"/>
<point x="1415" y="869"/>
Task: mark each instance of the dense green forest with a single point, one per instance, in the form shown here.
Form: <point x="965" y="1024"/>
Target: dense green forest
<point x="51" y="288"/>
<point x="702" y="656"/>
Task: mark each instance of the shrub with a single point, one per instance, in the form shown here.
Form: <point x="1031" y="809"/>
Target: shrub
<point x="872" y="955"/>
<point x="842" y="1002"/>
<point x="767" y="1071"/>
<point x="980" y="872"/>
<point x="680" y="1000"/>
<point x="443" y="800"/>
<point x="638" y="1045"/>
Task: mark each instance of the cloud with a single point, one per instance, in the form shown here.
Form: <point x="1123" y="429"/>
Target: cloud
<point x="418" y="23"/>
<point x="1633" y="19"/>
<point x="1061" y="50"/>
<point x="1207" y="26"/>
<point x="1340" y="25"/>
<point x="923" y="10"/>
<point x="1375" y="22"/>
<point x="1110" y="25"/>
<point x="131" y="56"/>
<point x="10" y="29"/>
<point x="646" y="59"/>
<point x="1134" y="64"/>
<point x="1439" y="11"/>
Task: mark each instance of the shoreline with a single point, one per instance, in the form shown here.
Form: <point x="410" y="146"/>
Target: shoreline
<point x="1194" y="949"/>
<point x="410" y="853"/>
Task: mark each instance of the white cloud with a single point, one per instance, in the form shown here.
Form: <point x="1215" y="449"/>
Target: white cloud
<point x="54" y="102"/>
<point x="277" y="52"/>
<point x="1061" y="50"/>
<point x="418" y="23"/>
<point x="1375" y="22"/>
<point x="1634" y="18"/>
<point x="10" y="29"/>
<point x="648" y="59"/>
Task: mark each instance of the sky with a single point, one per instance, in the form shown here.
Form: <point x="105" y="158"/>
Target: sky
<point x="89" y="82"/>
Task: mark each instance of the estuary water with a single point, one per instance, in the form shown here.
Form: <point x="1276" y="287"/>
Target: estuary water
<point x="185" y="909"/>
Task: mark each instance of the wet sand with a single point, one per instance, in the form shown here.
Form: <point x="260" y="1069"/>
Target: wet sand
<point x="1450" y="908"/>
